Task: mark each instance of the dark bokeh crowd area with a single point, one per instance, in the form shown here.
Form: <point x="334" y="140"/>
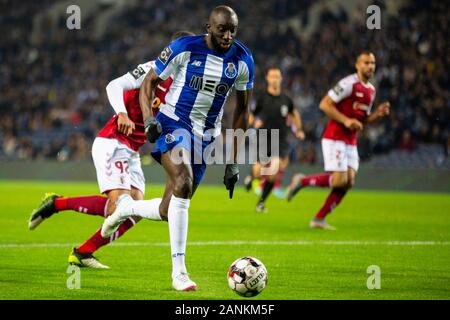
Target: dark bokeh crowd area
<point x="52" y="83"/>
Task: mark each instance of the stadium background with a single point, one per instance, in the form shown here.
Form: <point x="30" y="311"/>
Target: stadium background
<point x="53" y="99"/>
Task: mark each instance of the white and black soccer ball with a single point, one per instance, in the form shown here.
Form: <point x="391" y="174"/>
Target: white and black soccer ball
<point x="247" y="276"/>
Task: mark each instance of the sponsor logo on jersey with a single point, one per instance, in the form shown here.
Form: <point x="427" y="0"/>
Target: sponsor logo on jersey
<point x="231" y="70"/>
<point x="360" y="106"/>
<point x="165" y="55"/>
<point x="199" y="83"/>
<point x="359" y="94"/>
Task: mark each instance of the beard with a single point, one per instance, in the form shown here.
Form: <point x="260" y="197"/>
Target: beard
<point x="217" y="45"/>
<point x="369" y="75"/>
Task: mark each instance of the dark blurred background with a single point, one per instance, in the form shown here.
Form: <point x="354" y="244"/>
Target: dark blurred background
<point x="52" y="79"/>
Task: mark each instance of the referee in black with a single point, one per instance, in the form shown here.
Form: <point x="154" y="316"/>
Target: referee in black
<point x="273" y="110"/>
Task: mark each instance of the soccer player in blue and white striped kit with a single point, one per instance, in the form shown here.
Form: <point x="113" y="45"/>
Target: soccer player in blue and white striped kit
<point x="205" y="68"/>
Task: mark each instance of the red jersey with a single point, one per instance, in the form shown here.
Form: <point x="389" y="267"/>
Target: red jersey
<point x="354" y="99"/>
<point x="131" y="100"/>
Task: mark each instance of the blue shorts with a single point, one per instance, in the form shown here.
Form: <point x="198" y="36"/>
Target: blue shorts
<point x="176" y="134"/>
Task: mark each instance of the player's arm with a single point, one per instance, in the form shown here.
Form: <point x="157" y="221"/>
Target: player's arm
<point x="339" y="92"/>
<point x="240" y="115"/>
<point x="167" y="64"/>
<point x="328" y="106"/>
<point x="244" y="88"/>
<point x="239" y="122"/>
<point x="146" y="95"/>
<point x="147" y="92"/>
<point x="382" y="110"/>
<point x="114" y="91"/>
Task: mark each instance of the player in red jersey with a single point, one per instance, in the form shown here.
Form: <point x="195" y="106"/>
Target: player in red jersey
<point x="117" y="163"/>
<point x="348" y="106"/>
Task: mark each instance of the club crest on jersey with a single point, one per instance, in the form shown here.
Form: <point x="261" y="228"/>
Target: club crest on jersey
<point x="170" y="138"/>
<point x="231" y="70"/>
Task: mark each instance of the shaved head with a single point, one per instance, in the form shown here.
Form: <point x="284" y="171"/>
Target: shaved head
<point x="222" y="27"/>
<point x="226" y="11"/>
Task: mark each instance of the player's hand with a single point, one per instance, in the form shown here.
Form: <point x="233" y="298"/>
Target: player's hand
<point x="383" y="109"/>
<point x="353" y="124"/>
<point x="300" y="134"/>
<point x="124" y="124"/>
<point x="231" y="177"/>
<point x="153" y="129"/>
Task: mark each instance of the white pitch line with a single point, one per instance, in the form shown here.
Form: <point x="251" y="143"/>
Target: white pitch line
<point x="226" y="243"/>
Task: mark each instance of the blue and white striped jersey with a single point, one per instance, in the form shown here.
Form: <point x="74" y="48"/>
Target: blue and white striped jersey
<point x="203" y="79"/>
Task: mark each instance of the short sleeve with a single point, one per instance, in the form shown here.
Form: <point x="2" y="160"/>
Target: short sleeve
<point x="341" y="90"/>
<point x="171" y="58"/>
<point x="245" y="77"/>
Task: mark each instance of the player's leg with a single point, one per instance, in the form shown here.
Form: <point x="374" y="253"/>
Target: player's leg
<point x="83" y="255"/>
<point x="129" y="207"/>
<point x="182" y="179"/>
<point x="114" y="168"/>
<point x="270" y="173"/>
<point x="168" y="191"/>
<point x="102" y="154"/>
<point x="53" y="203"/>
<point x="277" y="188"/>
<point x="96" y="241"/>
<point x="341" y="182"/>
<point x="334" y="153"/>
<point x="164" y="205"/>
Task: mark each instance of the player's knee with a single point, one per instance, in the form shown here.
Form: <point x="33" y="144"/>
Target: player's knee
<point x="340" y="182"/>
<point x="111" y="206"/>
<point x="183" y="186"/>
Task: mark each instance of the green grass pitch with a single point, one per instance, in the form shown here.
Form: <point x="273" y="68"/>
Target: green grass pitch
<point x="406" y="234"/>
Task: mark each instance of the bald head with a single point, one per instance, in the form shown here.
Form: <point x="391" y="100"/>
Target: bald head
<point x="225" y="11"/>
<point x="222" y="27"/>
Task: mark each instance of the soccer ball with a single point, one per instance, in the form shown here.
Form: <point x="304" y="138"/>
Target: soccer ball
<point x="247" y="276"/>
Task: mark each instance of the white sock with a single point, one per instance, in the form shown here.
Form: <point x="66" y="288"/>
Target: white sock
<point x="148" y="209"/>
<point x="178" y="227"/>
